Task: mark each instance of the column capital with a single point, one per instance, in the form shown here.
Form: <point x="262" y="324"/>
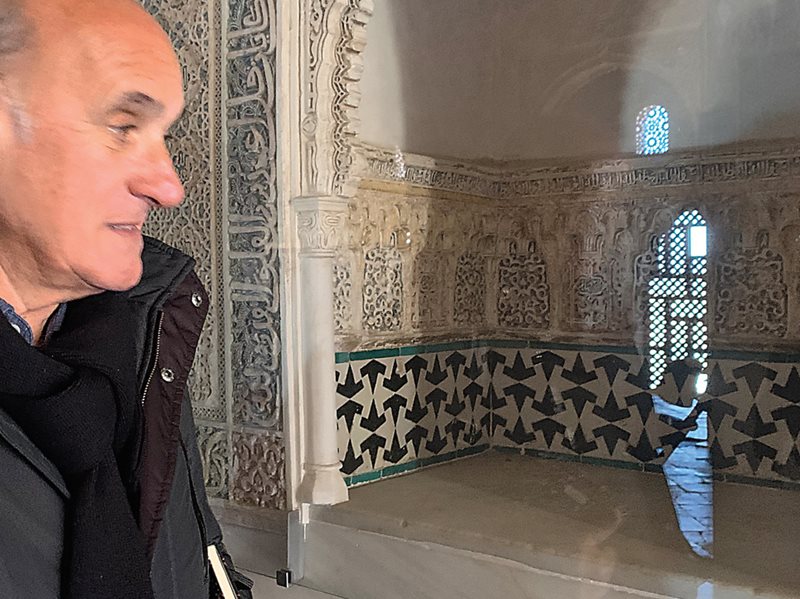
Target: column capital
<point x="320" y="223"/>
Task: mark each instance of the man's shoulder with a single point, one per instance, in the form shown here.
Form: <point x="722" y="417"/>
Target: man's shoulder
<point x="14" y="442"/>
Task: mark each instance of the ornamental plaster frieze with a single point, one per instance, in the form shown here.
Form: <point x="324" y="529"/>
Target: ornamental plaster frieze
<point x="770" y="166"/>
<point x="418" y="265"/>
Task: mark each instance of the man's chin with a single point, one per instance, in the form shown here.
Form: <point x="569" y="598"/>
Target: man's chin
<point x="124" y="278"/>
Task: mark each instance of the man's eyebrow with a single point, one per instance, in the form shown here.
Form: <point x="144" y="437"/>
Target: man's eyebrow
<point x="137" y="104"/>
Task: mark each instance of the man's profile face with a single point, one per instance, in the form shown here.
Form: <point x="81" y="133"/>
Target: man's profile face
<point x="88" y="161"/>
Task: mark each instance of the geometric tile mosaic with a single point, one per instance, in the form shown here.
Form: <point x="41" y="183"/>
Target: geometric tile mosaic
<point x="400" y="409"/>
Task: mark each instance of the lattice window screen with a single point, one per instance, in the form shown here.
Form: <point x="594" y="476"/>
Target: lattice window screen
<point x="677" y="296"/>
<point x="652" y="130"/>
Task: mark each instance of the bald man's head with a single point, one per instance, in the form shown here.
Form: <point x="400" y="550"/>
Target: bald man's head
<point x="94" y="86"/>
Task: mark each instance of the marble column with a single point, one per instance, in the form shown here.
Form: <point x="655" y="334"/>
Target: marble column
<point x="319" y="224"/>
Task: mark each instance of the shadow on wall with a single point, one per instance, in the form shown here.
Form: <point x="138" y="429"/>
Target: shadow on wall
<point x="566" y="78"/>
<point x="471" y="76"/>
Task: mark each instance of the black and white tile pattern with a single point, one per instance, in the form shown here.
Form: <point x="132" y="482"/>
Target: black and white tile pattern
<point x="395" y="410"/>
<point x="403" y="408"/>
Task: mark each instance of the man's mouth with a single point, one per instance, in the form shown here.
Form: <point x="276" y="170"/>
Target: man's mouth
<point x="131" y="228"/>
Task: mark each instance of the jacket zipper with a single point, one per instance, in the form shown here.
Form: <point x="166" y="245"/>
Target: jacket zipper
<point x="148" y="380"/>
<point x="155" y="358"/>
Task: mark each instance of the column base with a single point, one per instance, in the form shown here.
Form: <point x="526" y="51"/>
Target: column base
<point x="322" y="485"/>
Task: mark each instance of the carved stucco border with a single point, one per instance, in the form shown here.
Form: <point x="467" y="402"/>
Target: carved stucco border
<point x="332" y="48"/>
<point x="775" y="164"/>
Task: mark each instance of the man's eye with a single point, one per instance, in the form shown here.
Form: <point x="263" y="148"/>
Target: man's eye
<point x="122" y="130"/>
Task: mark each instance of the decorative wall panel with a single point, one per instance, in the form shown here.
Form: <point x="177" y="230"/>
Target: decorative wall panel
<point x="470" y="290"/>
<point x="599" y="405"/>
<point x="195" y="226"/>
<point x="225" y="150"/>
<point x="429" y="310"/>
<point x="398" y="413"/>
<point x="523" y="299"/>
<point x="342" y="296"/>
<point x="383" y="290"/>
<point x="258" y="464"/>
<point x="751" y="293"/>
<point x="583" y="259"/>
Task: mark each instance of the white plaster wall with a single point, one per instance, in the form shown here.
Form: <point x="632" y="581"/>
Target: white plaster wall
<point x="552" y="78"/>
<point x="423" y="87"/>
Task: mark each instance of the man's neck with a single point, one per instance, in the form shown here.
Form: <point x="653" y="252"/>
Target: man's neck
<point x="34" y="308"/>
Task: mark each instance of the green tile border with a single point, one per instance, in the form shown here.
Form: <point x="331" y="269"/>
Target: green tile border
<point x="366" y="477"/>
<point x="754" y="356"/>
<point x="413" y="465"/>
<point x="785" y="485"/>
<point x="412" y="350"/>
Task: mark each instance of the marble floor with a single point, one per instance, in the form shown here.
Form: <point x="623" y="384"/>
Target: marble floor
<point x="266" y="588"/>
<point x="680" y="535"/>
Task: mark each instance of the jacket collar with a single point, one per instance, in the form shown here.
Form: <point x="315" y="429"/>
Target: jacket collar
<point x="164" y="269"/>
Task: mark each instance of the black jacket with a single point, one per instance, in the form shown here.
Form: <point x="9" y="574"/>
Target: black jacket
<point x="170" y="307"/>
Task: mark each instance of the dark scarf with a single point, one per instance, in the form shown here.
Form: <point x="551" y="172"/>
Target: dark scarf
<point x="77" y="401"/>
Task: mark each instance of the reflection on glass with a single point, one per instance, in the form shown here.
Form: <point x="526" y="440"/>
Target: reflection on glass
<point x="690" y="479"/>
<point x="677" y="310"/>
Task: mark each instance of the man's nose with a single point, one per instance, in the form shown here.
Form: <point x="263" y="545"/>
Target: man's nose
<point x="158" y="181"/>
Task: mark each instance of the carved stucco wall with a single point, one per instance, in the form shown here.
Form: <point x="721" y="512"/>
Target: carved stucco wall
<point x="225" y="151"/>
<point x="519" y="250"/>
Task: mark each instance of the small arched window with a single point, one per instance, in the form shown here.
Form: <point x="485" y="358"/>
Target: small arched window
<point x="652" y="130"/>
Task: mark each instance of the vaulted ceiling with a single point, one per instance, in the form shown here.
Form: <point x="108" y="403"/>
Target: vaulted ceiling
<point x="511" y="79"/>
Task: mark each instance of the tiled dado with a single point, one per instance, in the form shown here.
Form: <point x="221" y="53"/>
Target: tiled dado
<point x="400" y="412"/>
<point x="403" y="408"/>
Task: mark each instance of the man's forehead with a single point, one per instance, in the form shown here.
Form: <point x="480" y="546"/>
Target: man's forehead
<point x="121" y="54"/>
<point x="98" y="28"/>
<point x="70" y="13"/>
